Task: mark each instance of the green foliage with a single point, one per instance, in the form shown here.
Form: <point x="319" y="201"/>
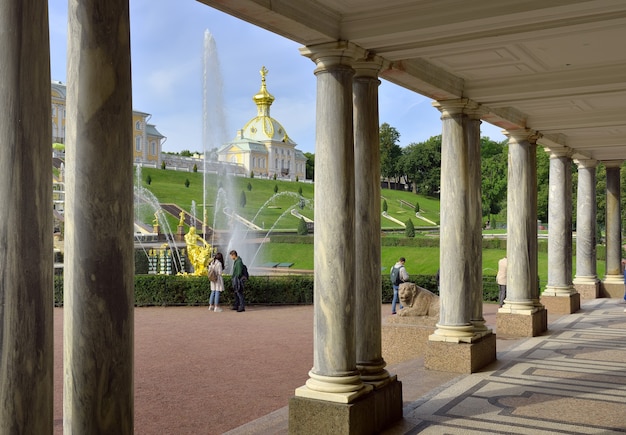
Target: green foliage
<point x="195" y="167"/>
<point x="302" y="228"/>
<point x="163" y="164"/>
<point x="410" y="229"/>
<point x="187" y="182"/>
<point x="420" y="165"/>
<point x="148" y="180"/>
<point x="300" y="190"/>
<point x="417" y="207"/>
<point x="310" y="166"/>
<point x="390" y="151"/>
<point x="494" y="177"/>
<point x="275" y="188"/>
<point x="186" y="153"/>
<point x="385" y="206"/>
<point x="251" y="174"/>
<point x="297" y="178"/>
<point x="274" y="177"/>
<point x="242" y="199"/>
<point x="249" y="187"/>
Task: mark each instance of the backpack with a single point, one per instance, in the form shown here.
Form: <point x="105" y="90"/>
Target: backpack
<point x="395" y="276"/>
<point x="212" y="273"/>
<point x="244" y="272"/>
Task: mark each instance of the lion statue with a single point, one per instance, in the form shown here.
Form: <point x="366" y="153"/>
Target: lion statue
<point x="417" y="301"/>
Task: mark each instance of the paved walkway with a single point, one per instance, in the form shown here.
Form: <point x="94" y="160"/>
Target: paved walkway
<point x="199" y="372"/>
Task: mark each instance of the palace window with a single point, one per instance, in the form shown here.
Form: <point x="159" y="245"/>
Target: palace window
<point x="137" y="143"/>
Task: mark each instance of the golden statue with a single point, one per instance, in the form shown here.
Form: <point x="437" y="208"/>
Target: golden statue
<point x="198" y="255"/>
<point x="181" y="222"/>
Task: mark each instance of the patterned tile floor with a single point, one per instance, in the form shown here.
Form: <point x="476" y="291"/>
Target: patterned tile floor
<point x="571" y="380"/>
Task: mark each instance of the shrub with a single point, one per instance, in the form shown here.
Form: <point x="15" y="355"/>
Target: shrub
<point x="249" y="187"/>
<point x="251" y="175"/>
<point x="195" y="167"/>
<point x="163" y="164"/>
<point x="302" y="228"/>
<point x="297" y="178"/>
<point x="300" y="190"/>
<point x="148" y="180"/>
<point x="385" y="205"/>
<point x="242" y="199"/>
<point x="410" y="229"/>
<point x="274" y="177"/>
<point x="275" y="188"/>
<point x="187" y="182"/>
<point x="417" y="207"/>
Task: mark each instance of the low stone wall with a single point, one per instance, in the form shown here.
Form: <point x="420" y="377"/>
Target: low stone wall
<point x="406" y="338"/>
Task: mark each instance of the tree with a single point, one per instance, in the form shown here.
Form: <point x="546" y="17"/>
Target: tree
<point x="242" y="199"/>
<point x="274" y="176"/>
<point x="310" y="166"/>
<point x="410" y="229"/>
<point x="417" y="207"/>
<point x="300" y="190"/>
<point x="251" y="174"/>
<point x="149" y="179"/>
<point x="187" y="182"/>
<point x="494" y="177"/>
<point x="195" y="167"/>
<point x="185" y="153"/>
<point x="420" y="165"/>
<point x="302" y="228"/>
<point x="163" y="164"/>
<point x="249" y="186"/>
<point x="275" y="188"/>
<point x="390" y="152"/>
<point x="385" y="205"/>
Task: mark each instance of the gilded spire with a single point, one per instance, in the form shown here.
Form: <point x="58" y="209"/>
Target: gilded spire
<point x="263" y="99"/>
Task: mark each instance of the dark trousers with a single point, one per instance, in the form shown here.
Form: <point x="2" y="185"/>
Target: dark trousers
<point x="502" y="294"/>
<point x="240" y="303"/>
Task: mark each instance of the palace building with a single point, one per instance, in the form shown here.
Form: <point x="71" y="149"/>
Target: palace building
<point x="147" y="140"/>
<point x="263" y="146"/>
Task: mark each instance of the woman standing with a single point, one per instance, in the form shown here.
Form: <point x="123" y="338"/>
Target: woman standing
<point x="216" y="267"/>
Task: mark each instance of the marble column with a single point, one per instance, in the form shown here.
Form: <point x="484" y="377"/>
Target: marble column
<point x="455" y="241"/>
<point x="614" y="277"/>
<point x="26" y="328"/>
<point x="99" y="261"/>
<point x="560" y="236"/>
<point x="522" y="313"/>
<point x="334" y="376"/>
<point x="369" y="357"/>
<point x="472" y="140"/>
<point x="586" y="279"/>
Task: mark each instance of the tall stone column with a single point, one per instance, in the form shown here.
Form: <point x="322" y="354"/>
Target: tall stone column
<point x="475" y="223"/>
<point x="614" y="280"/>
<point x="99" y="261"/>
<point x="560" y="296"/>
<point x="522" y="313"/>
<point x="369" y="357"/>
<point x="457" y="264"/>
<point x="334" y="376"/>
<point x="586" y="280"/>
<point x="26" y="329"/>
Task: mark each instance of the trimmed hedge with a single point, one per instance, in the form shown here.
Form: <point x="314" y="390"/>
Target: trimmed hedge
<point x="175" y="290"/>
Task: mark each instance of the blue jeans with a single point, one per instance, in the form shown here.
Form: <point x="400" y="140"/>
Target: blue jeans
<point x="215" y="297"/>
<point x="395" y="300"/>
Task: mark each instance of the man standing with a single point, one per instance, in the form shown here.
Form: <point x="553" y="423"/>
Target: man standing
<point x="238" y="282"/>
<point x="501" y="280"/>
<point x="398" y="275"/>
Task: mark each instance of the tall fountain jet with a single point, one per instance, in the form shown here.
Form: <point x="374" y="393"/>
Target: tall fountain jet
<point x="213" y="119"/>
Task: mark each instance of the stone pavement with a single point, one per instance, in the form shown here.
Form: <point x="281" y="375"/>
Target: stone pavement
<point x="571" y="380"/>
<point x="199" y="372"/>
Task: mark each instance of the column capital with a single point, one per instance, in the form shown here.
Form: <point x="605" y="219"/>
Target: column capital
<point x="586" y="163"/>
<point x="612" y="163"/>
<point x="449" y="108"/>
<point x="332" y="54"/>
<point x="523" y="134"/>
<point x="369" y="65"/>
<point x="556" y="153"/>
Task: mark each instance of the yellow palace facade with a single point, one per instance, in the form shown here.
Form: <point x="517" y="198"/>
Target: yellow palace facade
<point x="147" y="141"/>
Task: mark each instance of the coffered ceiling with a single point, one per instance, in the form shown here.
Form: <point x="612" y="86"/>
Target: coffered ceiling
<point x="554" y="66"/>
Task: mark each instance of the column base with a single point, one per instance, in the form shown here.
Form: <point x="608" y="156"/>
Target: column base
<point x="405" y="338"/>
<point x="588" y="290"/>
<point x="521" y="325"/>
<point x="369" y="414"/>
<point x="460" y="357"/>
<point x="566" y="304"/>
<point x="612" y="290"/>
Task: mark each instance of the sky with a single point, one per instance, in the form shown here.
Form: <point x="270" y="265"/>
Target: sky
<point x="167" y="45"/>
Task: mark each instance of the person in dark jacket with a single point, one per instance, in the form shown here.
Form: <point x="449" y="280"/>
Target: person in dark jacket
<point x="238" y="282"/>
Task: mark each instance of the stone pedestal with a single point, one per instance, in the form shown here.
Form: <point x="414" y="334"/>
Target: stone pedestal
<point x="588" y="291"/>
<point x="460" y="357"/>
<point x="521" y="325"/>
<point x="406" y="338"/>
<point x="612" y="290"/>
<point x="562" y="304"/>
<point x="369" y="414"/>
